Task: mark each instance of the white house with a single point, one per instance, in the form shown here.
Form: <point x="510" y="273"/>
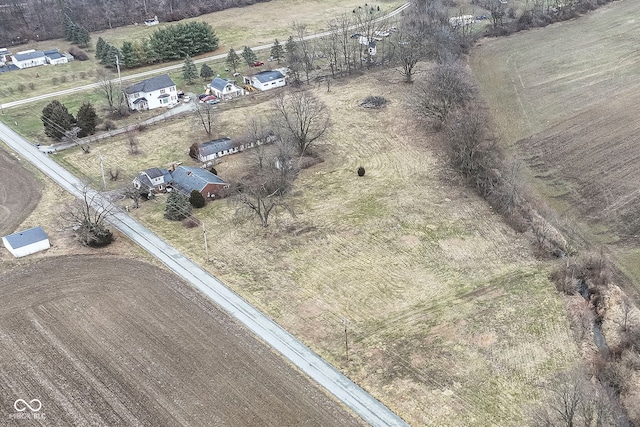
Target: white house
<point x="29" y="58"/>
<point x="225" y="89"/>
<point x="159" y="91"/>
<point x="461" y="21"/>
<point x="27" y="242"/>
<point x="54" y="57"/>
<point x="266" y="80"/>
<point x="4" y="55"/>
<point x="153" y="179"/>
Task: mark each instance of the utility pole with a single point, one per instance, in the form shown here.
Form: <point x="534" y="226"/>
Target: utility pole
<point x="118" y="67"/>
<point x="346" y="338"/>
<point x="206" y="246"/>
<point x="104" y="182"/>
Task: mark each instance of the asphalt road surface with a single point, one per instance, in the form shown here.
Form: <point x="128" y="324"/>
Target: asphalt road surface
<point x="361" y="402"/>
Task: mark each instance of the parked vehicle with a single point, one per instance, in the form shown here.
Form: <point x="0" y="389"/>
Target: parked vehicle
<point x="186" y="98"/>
<point x="257" y="64"/>
<point x="213" y="101"/>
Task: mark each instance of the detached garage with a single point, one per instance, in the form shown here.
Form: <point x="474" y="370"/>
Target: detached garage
<point x="27" y="242"/>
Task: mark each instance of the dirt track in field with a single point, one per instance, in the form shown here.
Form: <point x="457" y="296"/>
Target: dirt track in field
<point x="19" y="193"/>
<point x="110" y="341"/>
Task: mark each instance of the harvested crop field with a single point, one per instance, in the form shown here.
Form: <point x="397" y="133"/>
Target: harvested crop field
<point x="112" y="341"/>
<point x="19" y="192"/>
<point x="451" y="321"/>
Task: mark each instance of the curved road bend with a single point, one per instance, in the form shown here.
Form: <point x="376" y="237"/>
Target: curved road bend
<point x="172" y="67"/>
<point x="361" y="402"/>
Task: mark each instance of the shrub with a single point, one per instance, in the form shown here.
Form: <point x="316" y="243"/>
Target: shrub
<point x="78" y="54"/>
<point x="178" y="206"/>
<point x="374" y="102"/>
<point x="109" y="125"/>
<point x="63" y="79"/>
<point x="21" y="87"/>
<point x="55" y="81"/>
<point x="361" y="171"/>
<point x="32" y="86"/>
<point x="197" y="199"/>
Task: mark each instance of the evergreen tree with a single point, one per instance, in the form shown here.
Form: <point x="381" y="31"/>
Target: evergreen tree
<point x="56" y="120"/>
<point x="197" y="199"/>
<point x="129" y="57"/>
<point x="178" y="206"/>
<point x="189" y="70"/>
<point x="81" y="37"/>
<point x="206" y="72"/>
<point x="294" y="59"/>
<point x="68" y="27"/>
<point x="233" y="60"/>
<point x="87" y="119"/>
<point x="109" y="59"/>
<point x="277" y="51"/>
<point x="176" y="41"/>
<point x="100" y="48"/>
<point x="248" y="55"/>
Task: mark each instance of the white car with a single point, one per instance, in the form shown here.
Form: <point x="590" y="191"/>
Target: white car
<point x="186" y="98"/>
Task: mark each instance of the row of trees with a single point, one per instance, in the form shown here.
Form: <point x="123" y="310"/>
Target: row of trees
<point x="166" y="44"/>
<point x="75" y="33"/>
<point x="58" y="122"/>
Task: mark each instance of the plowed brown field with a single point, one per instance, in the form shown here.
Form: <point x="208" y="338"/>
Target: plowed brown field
<point x="19" y="193"/>
<point x="110" y="341"/>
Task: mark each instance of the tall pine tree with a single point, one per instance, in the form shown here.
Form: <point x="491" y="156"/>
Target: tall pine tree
<point x="277" y="51"/>
<point x="206" y="72"/>
<point x="248" y="55"/>
<point x="56" y="120"/>
<point x="189" y="70"/>
<point x="129" y="56"/>
<point x="87" y="120"/>
<point x="100" y="48"/>
<point x="233" y="60"/>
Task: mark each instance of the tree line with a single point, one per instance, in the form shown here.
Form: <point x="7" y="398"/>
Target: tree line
<point x="45" y="19"/>
<point x="167" y="44"/>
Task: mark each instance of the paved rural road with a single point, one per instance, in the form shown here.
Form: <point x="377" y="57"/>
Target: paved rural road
<point x="170" y="67"/>
<point x="361" y="402"/>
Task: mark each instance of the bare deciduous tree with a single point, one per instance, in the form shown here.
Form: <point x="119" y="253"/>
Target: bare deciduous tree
<point x="574" y="401"/>
<point x="132" y="139"/>
<point x="302" y="117"/>
<point x="258" y="135"/>
<point x="449" y="87"/>
<point x="204" y="116"/>
<point x="87" y="216"/>
<point x="111" y="91"/>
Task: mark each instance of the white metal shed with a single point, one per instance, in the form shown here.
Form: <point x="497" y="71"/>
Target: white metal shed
<point x="27" y="242"/>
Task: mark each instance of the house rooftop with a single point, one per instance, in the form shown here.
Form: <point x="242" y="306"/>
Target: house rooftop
<point x="219" y="83"/>
<point x="26" y="237"/>
<point x="149" y="85"/>
<point x="154" y="173"/>
<point x="188" y="178"/>
<point x="215" y="146"/>
<point x="269" y="76"/>
<point x="28" y="55"/>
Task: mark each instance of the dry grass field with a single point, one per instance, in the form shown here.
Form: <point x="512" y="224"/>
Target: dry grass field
<point x="450" y="319"/>
<point x="566" y="94"/>
<point x="113" y="341"/>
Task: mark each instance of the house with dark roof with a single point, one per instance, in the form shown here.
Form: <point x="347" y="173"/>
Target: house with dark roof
<point x="54" y="57"/>
<point x="225" y="89"/>
<point x="265" y="80"/>
<point x="159" y="91"/>
<point x="187" y="178"/>
<point x="154" y="180"/>
<point x="29" y="58"/>
<point x="27" y="242"/>
<point x="220" y="147"/>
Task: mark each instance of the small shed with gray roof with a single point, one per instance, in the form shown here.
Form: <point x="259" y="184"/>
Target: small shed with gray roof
<point x="27" y="242"/>
<point x="266" y="80"/>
